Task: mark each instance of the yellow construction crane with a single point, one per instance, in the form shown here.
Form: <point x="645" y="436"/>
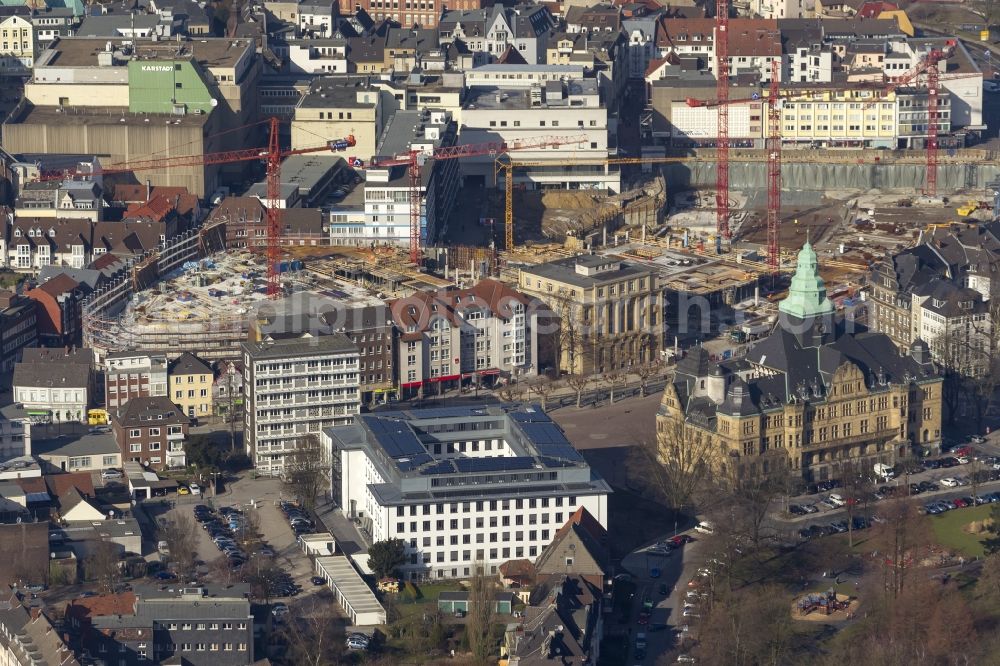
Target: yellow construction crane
<point x="506" y="165"/>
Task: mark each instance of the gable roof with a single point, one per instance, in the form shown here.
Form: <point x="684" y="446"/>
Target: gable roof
<point x="189" y="364"/>
<point x="584" y="528"/>
<point x="58" y="484"/>
<point x="149" y="410"/>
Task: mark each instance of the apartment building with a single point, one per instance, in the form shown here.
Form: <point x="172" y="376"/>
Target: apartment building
<point x="17" y="44"/>
<point x="568" y="109"/>
<point x="151" y="431"/>
<point x="610" y="311"/>
<point x="453" y="337"/>
<point x="294" y="388"/>
<point x="461" y="485"/>
<point x="55" y="385"/>
<point x="68" y="199"/>
<point x="810" y="398"/>
<point x="18" y="328"/>
<point x="955" y="322"/>
<point x="133" y="374"/>
<point x="190" y="380"/>
<point x="200" y="626"/>
<point x="317" y="56"/>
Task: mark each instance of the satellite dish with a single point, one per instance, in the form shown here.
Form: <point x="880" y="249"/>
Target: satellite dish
<point x="213" y="102"/>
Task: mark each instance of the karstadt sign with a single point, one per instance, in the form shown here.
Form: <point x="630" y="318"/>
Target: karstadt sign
<point x="157" y="68"/>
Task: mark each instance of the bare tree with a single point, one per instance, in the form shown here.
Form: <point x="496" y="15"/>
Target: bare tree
<point x="675" y="464"/>
<point x="316" y="639"/>
<point x="543" y="388"/>
<point x="897" y="539"/>
<point x="574" y="321"/>
<point x="103" y="564"/>
<point x="511" y="392"/>
<point x="644" y="371"/>
<point x="750" y="627"/>
<point x="579" y="383"/>
<point x="307" y="470"/>
<point x="181" y="536"/>
<point x="481" y="620"/>
<point x="612" y="379"/>
<point x="857" y="490"/>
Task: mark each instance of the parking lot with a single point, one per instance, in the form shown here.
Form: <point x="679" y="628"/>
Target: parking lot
<point x="258" y="503"/>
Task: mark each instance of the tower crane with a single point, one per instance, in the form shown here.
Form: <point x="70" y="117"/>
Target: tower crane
<point x="928" y="65"/>
<point x="273" y="156"/>
<point x="722" y="118"/>
<point x="773" y="170"/>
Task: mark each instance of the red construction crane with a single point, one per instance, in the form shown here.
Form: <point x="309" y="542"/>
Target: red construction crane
<point x="774" y="169"/>
<point x="414" y="161"/>
<point x="929" y="66"/>
<point x="722" y="117"/>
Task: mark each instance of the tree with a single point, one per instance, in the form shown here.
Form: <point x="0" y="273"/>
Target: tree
<point x="316" y="639"/>
<point x="897" y="540"/>
<point x="644" y="371"/>
<point x="103" y="564"/>
<point x="385" y="557"/>
<point x="747" y="494"/>
<point x="748" y="628"/>
<point x="181" y="536"/>
<point x="857" y="491"/>
<point x="675" y="464"/>
<point x="262" y="575"/>
<point x="202" y="452"/>
<point x="482" y="616"/>
<point x="579" y="383"/>
<point x="511" y="392"/>
<point x="572" y="334"/>
<point x="613" y="378"/>
<point x="543" y="388"/>
<point x="308" y="469"/>
<point x="989" y="10"/>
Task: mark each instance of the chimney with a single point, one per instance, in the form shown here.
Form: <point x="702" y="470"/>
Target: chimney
<point x="149" y="190"/>
<point x="35" y="613"/>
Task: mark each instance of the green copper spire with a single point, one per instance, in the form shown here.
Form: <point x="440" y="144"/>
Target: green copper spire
<point x="807" y="294"/>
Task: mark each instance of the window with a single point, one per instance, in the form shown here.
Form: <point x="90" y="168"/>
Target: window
<point x="135" y="432"/>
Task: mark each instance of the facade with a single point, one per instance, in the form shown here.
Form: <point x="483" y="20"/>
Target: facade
<point x="91" y="452"/>
<point x="956" y="324"/>
<point x="17" y="45"/>
<point x="15" y="435"/>
<point x="68" y="199"/>
<point x="133" y="374"/>
<point x="18" y="328"/>
<point x="492" y="31"/>
<point x="190" y="380"/>
<point x="461" y="485"/>
<point x="341" y="107"/>
<point x="151" y="431"/>
<point x="812" y="398"/>
<point x="610" y="311"/>
<point x="294" y="388"/>
<point x="59" y="308"/>
<point x="455" y="336"/>
<point x="54" y="384"/>
<point x="196" y="626"/>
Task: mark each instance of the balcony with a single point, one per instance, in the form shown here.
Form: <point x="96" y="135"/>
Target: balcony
<point x="175" y="436"/>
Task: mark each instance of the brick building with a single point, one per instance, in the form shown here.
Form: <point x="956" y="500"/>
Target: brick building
<point x="151" y="431"/>
<point x="59" y="301"/>
<point x="133" y="374"/>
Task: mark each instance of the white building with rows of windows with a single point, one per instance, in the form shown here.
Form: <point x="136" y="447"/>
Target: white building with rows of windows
<point x="296" y="387"/>
<point x="461" y="485"/>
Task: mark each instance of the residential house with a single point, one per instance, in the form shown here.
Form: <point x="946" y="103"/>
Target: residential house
<point x="55" y="384"/>
<point x="492" y="31"/>
<point x="133" y="374"/>
<point x="317" y="18"/>
<point x="580" y="547"/>
<point x="151" y="431"/>
<point x="191" y="385"/>
<point x="29" y="637"/>
<point x="51" y="22"/>
<point x="31" y="243"/>
<point x="17" y="39"/>
<point x="18" y="328"/>
<point x="59" y="302"/>
<point x="565" y="627"/>
<point x="88" y="452"/>
<point x="67" y="199"/>
<point x="74" y="507"/>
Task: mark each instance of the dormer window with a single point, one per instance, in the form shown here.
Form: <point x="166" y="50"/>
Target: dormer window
<point x="17" y="233"/>
<point x="52" y="232"/>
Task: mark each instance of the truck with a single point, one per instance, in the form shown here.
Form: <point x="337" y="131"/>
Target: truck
<point x="640" y="641"/>
<point x="884" y="472"/>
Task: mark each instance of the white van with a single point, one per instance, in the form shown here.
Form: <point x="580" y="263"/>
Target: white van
<point x="884" y="472"/>
<point x="163" y="548"/>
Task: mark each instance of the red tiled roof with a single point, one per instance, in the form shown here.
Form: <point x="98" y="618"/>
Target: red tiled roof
<point x="33" y="484"/>
<point x="586" y="520"/>
<point x="155" y="209"/>
<point x="103" y="261"/>
<point x="873" y="9"/>
<point x="420" y="308"/>
<point x="103" y="604"/>
<point x="754" y="37"/>
<point x="60" y="284"/>
<point x="655" y="64"/>
<point x="60" y="483"/>
<point x="518" y="569"/>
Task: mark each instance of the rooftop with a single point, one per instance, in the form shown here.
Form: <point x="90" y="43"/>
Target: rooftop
<point x="557" y="94"/>
<point x="573" y="270"/>
<point x="97" y="116"/>
<point x="304" y="346"/>
<point x="83" y="51"/>
<point x="340" y="92"/>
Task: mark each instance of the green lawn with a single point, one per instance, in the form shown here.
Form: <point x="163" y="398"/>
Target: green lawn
<point x="949" y="533"/>
<point x="429" y="594"/>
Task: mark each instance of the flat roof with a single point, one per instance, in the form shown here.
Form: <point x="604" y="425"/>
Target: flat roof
<point x="209" y="52"/>
<point x="355" y="591"/>
<point x="83" y="445"/>
<point x="96" y="116"/>
<point x="564" y="270"/>
<point x="339" y="92"/>
<point x="520" y="98"/>
<point x="337" y="343"/>
<point x="308" y="170"/>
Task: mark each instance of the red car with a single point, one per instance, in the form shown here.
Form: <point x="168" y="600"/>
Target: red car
<point x="959" y="503"/>
<point x="681" y="539"/>
<point x="643" y="618"/>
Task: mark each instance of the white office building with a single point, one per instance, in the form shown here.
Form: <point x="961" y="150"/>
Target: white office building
<point x="294" y="388"/>
<point x="461" y="485"/>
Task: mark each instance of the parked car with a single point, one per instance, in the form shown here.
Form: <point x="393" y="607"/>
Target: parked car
<point x="110" y="473"/>
<point x="195" y="489"/>
<point x="950" y="482"/>
<point x="705" y="527"/>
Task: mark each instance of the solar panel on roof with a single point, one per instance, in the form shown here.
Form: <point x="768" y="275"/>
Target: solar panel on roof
<point x="493" y="464"/>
